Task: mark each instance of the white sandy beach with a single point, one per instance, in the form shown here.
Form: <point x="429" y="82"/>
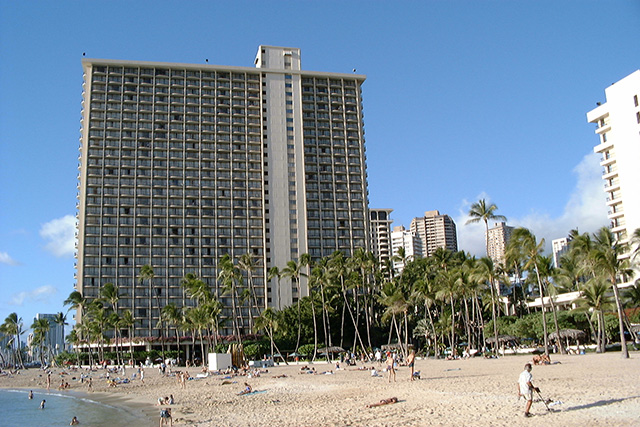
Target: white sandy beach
<point x="593" y="389"/>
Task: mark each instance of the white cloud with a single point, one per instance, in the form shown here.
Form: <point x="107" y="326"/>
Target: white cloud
<point x="41" y="294"/>
<point x="585" y="210"/>
<point x="60" y="234"/>
<point x="5" y="258"/>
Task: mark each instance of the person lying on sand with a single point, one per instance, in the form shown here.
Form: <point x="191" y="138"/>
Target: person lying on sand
<point x="247" y="390"/>
<point x="279" y="376"/>
<point x="388" y="401"/>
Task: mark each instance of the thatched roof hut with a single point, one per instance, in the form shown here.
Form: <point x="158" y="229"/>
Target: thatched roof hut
<point x="502" y="339"/>
<point x="574" y="334"/>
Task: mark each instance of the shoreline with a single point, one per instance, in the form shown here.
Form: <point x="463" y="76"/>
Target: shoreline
<point x="592" y="389"/>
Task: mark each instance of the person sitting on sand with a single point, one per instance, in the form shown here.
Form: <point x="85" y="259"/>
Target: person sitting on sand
<point x="543" y="359"/>
<point x="388" y="401"/>
<point x="247" y="390"/>
<point x="74" y="421"/>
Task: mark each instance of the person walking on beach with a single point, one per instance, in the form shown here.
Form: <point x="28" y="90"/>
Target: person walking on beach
<point x="378" y="357"/>
<point x="390" y="366"/>
<point x="411" y="362"/>
<point x="526" y="388"/>
<point x="48" y="380"/>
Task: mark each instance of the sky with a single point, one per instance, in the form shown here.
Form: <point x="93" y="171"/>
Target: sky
<point x="463" y="100"/>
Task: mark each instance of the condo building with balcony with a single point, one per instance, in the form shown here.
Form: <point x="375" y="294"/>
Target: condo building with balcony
<point x="435" y="231"/>
<point x="618" y="131"/>
<point x="182" y="164"/>
<point x="497" y="240"/>
<point x="380" y="220"/>
<point x="407" y="240"/>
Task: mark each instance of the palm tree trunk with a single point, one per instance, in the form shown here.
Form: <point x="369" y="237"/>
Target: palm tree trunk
<point x="555" y="321"/>
<point x="623" y="340"/>
<point x="544" y="312"/>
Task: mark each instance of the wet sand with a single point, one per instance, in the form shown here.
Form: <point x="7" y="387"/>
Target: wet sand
<point x="592" y="389"/>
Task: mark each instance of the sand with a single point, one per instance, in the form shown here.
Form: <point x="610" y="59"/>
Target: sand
<point x="592" y="389"/>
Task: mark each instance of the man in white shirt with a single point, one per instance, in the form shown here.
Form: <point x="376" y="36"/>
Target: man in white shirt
<point x="526" y="388"/>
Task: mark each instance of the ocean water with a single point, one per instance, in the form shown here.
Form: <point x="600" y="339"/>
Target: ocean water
<point x="18" y="411"/>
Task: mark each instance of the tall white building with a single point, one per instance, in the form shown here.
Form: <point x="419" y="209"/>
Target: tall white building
<point x="618" y="130"/>
<point x="559" y="248"/>
<point x="409" y="241"/>
<point x="380" y="220"/>
<point x="181" y="164"/>
<point x="435" y="231"/>
<point x="497" y="240"/>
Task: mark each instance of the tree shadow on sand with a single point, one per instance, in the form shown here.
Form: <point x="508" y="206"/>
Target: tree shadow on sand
<point x="599" y="403"/>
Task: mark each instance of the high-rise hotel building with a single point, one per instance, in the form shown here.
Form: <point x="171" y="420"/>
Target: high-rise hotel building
<point x="618" y="130"/>
<point x="435" y="231"/>
<point x="181" y="164"/>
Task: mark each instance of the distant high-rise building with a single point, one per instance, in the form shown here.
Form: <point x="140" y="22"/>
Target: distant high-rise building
<point x="181" y="164"/>
<point x="381" y="234"/>
<point x="618" y="128"/>
<point x="409" y="241"/>
<point x="435" y="231"/>
<point x="559" y="247"/>
<point x="497" y="240"/>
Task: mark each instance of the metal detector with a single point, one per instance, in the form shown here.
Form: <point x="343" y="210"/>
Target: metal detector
<point x="543" y="401"/>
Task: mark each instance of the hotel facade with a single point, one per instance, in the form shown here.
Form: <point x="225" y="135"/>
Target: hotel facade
<point x="618" y="131"/>
<point x="182" y="164"/>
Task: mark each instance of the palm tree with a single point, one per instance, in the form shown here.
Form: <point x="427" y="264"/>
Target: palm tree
<point x="293" y="270"/>
<point x="12" y="326"/>
<point x="480" y="211"/>
<point x="173" y="316"/>
<point x="606" y="257"/>
<point x="146" y="273"/>
<point x="268" y="321"/>
<point x="248" y="263"/>
<point x="486" y="272"/>
<point x="274" y="273"/>
<point x="524" y="246"/>
<point x="127" y="321"/>
<point x="448" y="288"/>
<point x="593" y="298"/>
<point x="61" y="320"/>
<point x="40" y="330"/>
<point x="228" y="275"/>
<point x="73" y="339"/>
<point x="76" y="302"/>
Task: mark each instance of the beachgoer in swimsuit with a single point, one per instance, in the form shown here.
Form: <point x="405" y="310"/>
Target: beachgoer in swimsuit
<point x="390" y="368"/>
<point x="165" y="417"/>
<point x="388" y="401"/>
<point x="411" y="361"/>
<point x="74" y="421"/>
<point x="42" y="404"/>
<point x="30" y="394"/>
